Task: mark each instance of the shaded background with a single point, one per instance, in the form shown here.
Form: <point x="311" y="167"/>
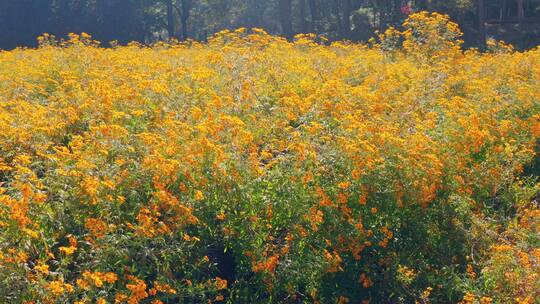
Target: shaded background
<point x="22" y="21"/>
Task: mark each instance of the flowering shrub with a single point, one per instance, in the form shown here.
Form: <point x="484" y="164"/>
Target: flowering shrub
<point x="507" y="266"/>
<point x="251" y="169"/>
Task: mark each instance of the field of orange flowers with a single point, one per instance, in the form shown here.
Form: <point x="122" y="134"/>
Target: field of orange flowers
<point x="249" y="169"/>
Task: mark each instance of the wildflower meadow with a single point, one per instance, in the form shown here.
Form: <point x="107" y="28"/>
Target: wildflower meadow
<point x="253" y="169"/>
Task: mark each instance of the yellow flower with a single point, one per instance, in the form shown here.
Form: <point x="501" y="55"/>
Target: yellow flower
<point x="58" y="287"/>
<point x="199" y="195"/>
<point x="221" y="283"/>
<point x="43" y="268"/>
<point x="344" y="185"/>
<point x="67" y="250"/>
<point x="137" y="289"/>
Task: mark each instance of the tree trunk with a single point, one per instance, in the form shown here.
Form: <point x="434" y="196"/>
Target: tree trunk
<point x="396" y="9"/>
<point x="170" y="19"/>
<point x="303" y="25"/>
<point x="285" y="11"/>
<point x="347" y="12"/>
<point x="521" y="11"/>
<point x="184" y="16"/>
<point x="482" y="22"/>
<point x="502" y="15"/>
<point x="185" y="32"/>
<point x="314" y="11"/>
<point x="254" y="11"/>
<point x="382" y="17"/>
<point x="338" y="17"/>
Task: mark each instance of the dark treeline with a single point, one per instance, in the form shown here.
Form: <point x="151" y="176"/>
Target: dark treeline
<point x="21" y="21"/>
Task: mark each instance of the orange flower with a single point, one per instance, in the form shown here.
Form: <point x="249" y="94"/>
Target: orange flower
<point x="221" y="283"/>
<point x="199" y="195"/>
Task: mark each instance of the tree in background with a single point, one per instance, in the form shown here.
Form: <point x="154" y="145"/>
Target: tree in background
<point x="184" y="12"/>
<point x="285" y="16"/>
<point x="149" y="20"/>
<point x="170" y="18"/>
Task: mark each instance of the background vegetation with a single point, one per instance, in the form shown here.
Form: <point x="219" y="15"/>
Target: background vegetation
<point x="21" y="21"/>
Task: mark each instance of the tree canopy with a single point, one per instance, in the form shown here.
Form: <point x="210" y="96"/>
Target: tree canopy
<point x="22" y="21"/>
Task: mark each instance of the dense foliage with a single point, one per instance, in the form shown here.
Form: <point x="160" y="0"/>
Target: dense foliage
<point x="21" y="21"/>
<point x="249" y="169"/>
